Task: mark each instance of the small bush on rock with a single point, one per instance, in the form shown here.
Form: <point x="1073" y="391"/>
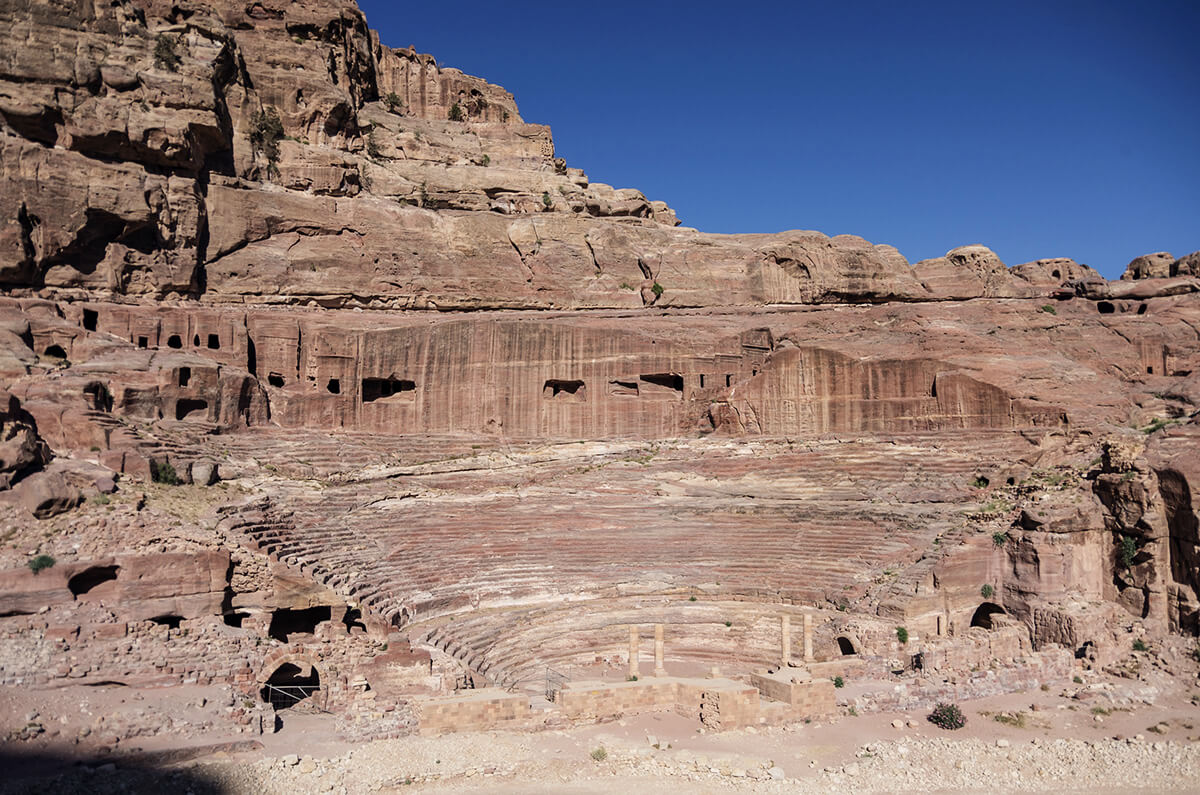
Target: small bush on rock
<point x="657" y="289"/>
<point x="999" y="538"/>
<point x="986" y="591"/>
<point x="165" y="56"/>
<point x="947" y="716"/>
<point x="838" y="682"/>
<point x="456" y="113"/>
<point x="599" y="754"/>
<point x="392" y="100"/>
<point x="266" y="129"/>
<point x="1140" y="645"/>
<point x="39" y="562"/>
<point x="902" y="634"/>
<point x="1126" y="551"/>
<point x="163" y="472"/>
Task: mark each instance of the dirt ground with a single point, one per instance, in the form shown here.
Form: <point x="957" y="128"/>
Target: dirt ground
<point x="1100" y="735"/>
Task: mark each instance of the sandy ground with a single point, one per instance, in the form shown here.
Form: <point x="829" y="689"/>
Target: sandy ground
<point x="1099" y="738"/>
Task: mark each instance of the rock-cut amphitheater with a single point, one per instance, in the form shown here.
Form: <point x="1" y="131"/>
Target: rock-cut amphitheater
<point x="323" y="380"/>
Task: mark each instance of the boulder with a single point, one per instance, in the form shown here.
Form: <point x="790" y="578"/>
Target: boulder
<point x="1149" y="266"/>
<point x="49" y="494"/>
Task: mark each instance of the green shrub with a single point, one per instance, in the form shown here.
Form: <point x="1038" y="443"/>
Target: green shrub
<point x="547" y="202"/>
<point x="392" y="100"/>
<point x="266" y="129"/>
<point x="163" y="472"/>
<point x="979" y="482"/>
<point x="986" y="591"/>
<point x="1000" y="538"/>
<point x="373" y="150"/>
<point x="1127" y="550"/>
<point x="1049" y="310"/>
<point x="838" y="682"/>
<point x="599" y="754"/>
<point x="485" y="161"/>
<point x="656" y="288"/>
<point x="39" y="562"/>
<point x="902" y="634"/>
<point x="456" y="113"/>
<point x="947" y="716"/>
<point x="102" y="499"/>
<point x="631" y="678"/>
<point x="1077" y="679"/>
<point x="691" y="598"/>
<point x="165" y="56"/>
<point x="1140" y="645"/>
<point x="729" y="623"/>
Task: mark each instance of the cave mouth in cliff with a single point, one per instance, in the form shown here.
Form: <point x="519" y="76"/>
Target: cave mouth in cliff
<point x="660" y="382"/>
<point x="289" y="685"/>
<point x="846" y="646"/>
<point x="90" y="577"/>
<point x="379" y="388"/>
<point x="169" y="621"/>
<point x="564" y="389"/>
<point x="353" y="619"/>
<point x="55" y="352"/>
<point x="983" y="615"/>
<point x="185" y="407"/>
<point x="90" y="319"/>
<point x="1105" y="308"/>
<point x="286" y="622"/>
<point x="334" y="387"/>
<point x="175" y="341"/>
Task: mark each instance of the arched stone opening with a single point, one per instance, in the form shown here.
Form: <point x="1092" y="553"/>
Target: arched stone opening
<point x="983" y="615"/>
<point x="846" y="646"/>
<point x="55" y="352"/>
<point x="291" y="683"/>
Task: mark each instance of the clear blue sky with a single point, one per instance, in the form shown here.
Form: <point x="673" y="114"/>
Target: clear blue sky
<point x="1040" y="129"/>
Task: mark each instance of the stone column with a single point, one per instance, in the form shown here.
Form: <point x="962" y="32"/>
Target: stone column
<point x="808" y="655"/>
<point x="633" y="650"/>
<point x="785" y="636"/>
<point x="659" y="648"/>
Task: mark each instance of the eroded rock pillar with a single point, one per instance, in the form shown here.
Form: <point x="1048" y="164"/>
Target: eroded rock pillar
<point x="633" y="651"/>
<point x="808" y="655"/>
<point x="785" y="640"/>
<point x="659" y="648"/>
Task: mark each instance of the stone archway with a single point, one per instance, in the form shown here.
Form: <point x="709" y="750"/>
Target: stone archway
<point x="289" y="678"/>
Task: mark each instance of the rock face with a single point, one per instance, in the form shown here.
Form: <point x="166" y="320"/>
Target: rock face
<point x="461" y="383"/>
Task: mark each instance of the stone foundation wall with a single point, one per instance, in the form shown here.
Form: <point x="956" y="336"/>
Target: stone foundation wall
<point x="486" y="708"/>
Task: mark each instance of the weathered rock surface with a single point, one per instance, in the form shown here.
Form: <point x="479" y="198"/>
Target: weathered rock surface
<point x="450" y="379"/>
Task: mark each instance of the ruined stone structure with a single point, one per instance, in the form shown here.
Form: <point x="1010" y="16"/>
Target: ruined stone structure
<point x="448" y="416"/>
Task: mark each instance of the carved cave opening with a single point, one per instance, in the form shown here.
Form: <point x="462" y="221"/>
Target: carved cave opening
<point x="275" y="380"/>
<point x="289" y="685"/>
<point x="185" y="407"/>
<point x="143" y="342"/>
<point x="984" y="613"/>
<point x="175" y="341"/>
<point x="846" y="646"/>
<point x="55" y="352"/>
<point x="1105" y="308"/>
<point x="185" y="375"/>
<point x="169" y="621"/>
<point x="90" y="319"/>
<point x="662" y="382"/>
<point x="380" y="388"/>
<point x="334" y="387"/>
<point x="353" y="620"/>
<point x="564" y="389"/>
<point x="623" y="388"/>
<point x="286" y="622"/>
<point x="90" y="577"/>
<point x="214" y="342"/>
<point x="98" y="397"/>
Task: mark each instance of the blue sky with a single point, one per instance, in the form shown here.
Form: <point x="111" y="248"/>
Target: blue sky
<point x="1040" y="129"/>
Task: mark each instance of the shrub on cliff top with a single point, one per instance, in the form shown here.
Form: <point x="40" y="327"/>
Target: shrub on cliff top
<point x="39" y="562"/>
<point x="947" y="716"/>
<point x="456" y="113"/>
